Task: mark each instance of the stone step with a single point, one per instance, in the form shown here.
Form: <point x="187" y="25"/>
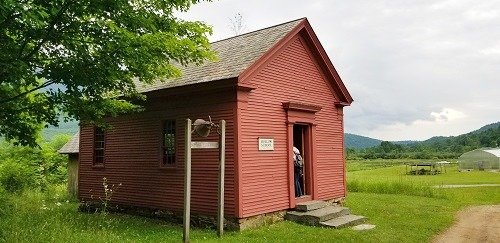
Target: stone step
<point x="314" y="217"/>
<point x="344" y="221"/>
<point x="310" y="205"/>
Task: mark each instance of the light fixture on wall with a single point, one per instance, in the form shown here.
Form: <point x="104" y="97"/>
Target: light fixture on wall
<point x="202" y="127"/>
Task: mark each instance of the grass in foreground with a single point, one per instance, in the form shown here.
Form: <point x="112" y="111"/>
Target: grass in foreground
<point x="39" y="218"/>
<point x="53" y="217"/>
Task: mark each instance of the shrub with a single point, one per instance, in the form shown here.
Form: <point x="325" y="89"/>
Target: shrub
<point x="4" y="211"/>
<point x="3" y="199"/>
<point x="58" y="141"/>
<point x="15" y="176"/>
<point x="50" y="168"/>
<point x="58" y="192"/>
<point x="44" y="163"/>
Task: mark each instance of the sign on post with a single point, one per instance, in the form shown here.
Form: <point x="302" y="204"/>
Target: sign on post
<point x="187" y="182"/>
<point x="222" y="158"/>
<point x="204" y="145"/>
<point x="202" y="128"/>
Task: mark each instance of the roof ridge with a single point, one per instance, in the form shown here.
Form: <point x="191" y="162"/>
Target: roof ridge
<point x="235" y="55"/>
<point x="251" y="32"/>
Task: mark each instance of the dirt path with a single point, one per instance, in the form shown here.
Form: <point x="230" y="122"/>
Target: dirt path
<point x="474" y="224"/>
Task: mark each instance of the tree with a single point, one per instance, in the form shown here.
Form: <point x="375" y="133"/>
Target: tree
<point x="387" y="147"/>
<point x="83" y="59"/>
<point x="237" y="24"/>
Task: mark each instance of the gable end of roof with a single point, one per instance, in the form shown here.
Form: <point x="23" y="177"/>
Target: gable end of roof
<point x="305" y="30"/>
<point x="72" y="146"/>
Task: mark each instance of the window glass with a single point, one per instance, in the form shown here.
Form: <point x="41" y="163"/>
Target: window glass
<point x="168" y="145"/>
<point x="99" y="140"/>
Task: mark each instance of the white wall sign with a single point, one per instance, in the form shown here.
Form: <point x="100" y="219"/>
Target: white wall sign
<point x="204" y="145"/>
<point x="266" y="144"/>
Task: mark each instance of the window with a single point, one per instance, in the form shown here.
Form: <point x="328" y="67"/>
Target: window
<point x="168" y="145"/>
<point x="99" y="144"/>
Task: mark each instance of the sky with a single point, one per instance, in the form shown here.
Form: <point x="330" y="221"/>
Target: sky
<point x="415" y="68"/>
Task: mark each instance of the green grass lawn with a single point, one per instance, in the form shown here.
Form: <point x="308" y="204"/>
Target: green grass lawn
<point x="53" y="217"/>
<point x="451" y="176"/>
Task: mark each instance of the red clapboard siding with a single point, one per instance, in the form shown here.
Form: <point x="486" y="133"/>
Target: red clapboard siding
<point x="132" y="156"/>
<point x="291" y="76"/>
<point x="295" y="70"/>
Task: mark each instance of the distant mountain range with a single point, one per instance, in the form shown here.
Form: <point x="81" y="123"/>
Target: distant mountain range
<point x="357" y="141"/>
<point x="351" y="140"/>
<point x="70" y="127"/>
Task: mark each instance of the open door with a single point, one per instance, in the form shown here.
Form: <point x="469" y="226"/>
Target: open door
<point x="301" y="130"/>
<point x="302" y="174"/>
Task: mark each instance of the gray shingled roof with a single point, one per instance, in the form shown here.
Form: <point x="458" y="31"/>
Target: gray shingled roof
<point x="72" y="146"/>
<point x="234" y="54"/>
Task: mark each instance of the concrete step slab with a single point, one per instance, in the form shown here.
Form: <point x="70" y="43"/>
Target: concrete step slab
<point x="314" y="217"/>
<point x="344" y="221"/>
<point x="361" y="227"/>
<point x="310" y="205"/>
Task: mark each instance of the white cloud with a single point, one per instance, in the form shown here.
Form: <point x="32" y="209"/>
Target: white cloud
<point x="491" y="51"/>
<point x="402" y="61"/>
<point x="446" y="122"/>
<point x="447" y="115"/>
<point x="481" y="14"/>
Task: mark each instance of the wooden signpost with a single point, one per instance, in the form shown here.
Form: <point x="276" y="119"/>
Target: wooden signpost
<point x="222" y="161"/>
<point x="221" y="145"/>
<point x="187" y="182"/>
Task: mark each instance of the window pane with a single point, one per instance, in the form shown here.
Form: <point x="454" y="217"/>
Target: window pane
<point x="99" y="145"/>
<point x="168" y="142"/>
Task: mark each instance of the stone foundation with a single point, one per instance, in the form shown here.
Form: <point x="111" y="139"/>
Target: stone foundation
<point x="261" y="220"/>
<point x="197" y="220"/>
<point x="340" y="201"/>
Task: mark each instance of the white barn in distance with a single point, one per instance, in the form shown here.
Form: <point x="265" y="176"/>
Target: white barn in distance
<point x="480" y="159"/>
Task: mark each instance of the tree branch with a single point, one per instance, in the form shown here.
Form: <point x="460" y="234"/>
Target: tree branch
<point x="50" y="28"/>
<point x="26" y="92"/>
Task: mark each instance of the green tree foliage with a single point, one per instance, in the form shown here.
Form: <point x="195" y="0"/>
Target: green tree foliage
<point x="83" y="58"/>
<point x="15" y="177"/>
<point x="437" y="148"/>
<point x="27" y="167"/>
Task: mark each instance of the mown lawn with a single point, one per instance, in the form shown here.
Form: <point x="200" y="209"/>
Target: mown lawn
<point x="53" y="217"/>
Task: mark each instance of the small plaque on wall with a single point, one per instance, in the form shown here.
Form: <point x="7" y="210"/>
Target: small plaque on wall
<point x="266" y="144"/>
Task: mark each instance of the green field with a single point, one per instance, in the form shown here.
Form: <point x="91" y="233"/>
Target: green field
<point x="400" y="214"/>
<point x="370" y="164"/>
<point x="451" y="176"/>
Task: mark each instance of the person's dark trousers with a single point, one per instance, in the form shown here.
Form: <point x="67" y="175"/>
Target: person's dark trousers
<point x="298" y="186"/>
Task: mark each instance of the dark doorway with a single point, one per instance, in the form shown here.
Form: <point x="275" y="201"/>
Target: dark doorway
<point x="300" y="141"/>
<point x="298" y="137"/>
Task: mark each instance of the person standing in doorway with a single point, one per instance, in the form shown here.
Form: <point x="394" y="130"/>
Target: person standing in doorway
<point x="298" y="164"/>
